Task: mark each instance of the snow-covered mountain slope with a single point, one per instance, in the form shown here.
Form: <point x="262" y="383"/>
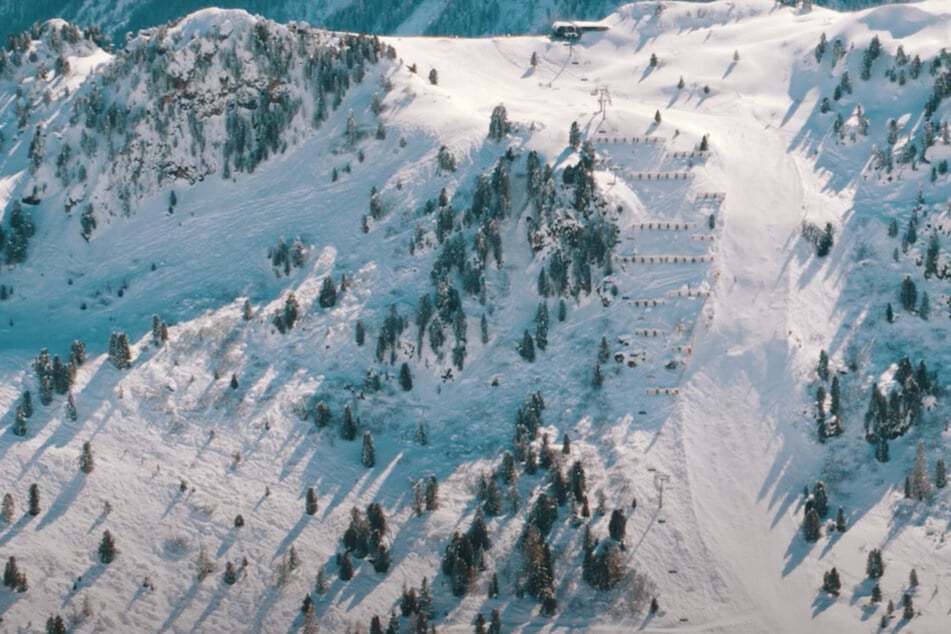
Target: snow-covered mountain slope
<point x="435" y="17"/>
<point x="670" y="226"/>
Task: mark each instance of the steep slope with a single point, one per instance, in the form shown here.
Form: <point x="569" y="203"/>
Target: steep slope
<point x="701" y="409"/>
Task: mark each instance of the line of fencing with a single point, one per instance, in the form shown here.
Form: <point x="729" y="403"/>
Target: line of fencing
<point x="688" y="155"/>
<point x="652" y="140"/>
<point x="648" y="332"/>
<point x="661" y="176"/>
<point x="703" y="237"/>
<point x="720" y="196"/>
<point x="664" y="226"/>
<point x="682" y="348"/>
<point x="663" y="391"/>
<point x="690" y="292"/>
<point x="644" y="303"/>
<point x="666" y="259"/>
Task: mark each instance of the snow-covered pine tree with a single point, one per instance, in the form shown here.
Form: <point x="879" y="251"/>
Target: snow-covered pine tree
<point x="920" y="482"/>
<point x="368" y="452"/>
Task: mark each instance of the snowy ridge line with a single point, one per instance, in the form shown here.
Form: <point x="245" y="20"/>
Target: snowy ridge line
<point x="661" y="176"/>
<point x="639" y="303"/>
<point x="664" y="226"/>
<point x="650" y="140"/>
<point x="665" y="259"/>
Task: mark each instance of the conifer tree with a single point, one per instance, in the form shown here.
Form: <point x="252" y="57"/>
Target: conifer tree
<point x="913" y="578"/>
<point x="574" y="138"/>
<point x="327" y="297"/>
<point x="831" y="582"/>
<point x="107" y="548"/>
<point x="26" y="401"/>
<point x="940" y="474"/>
<point x="484" y="329"/>
<point x="823" y="368"/>
<point x="86" y="461"/>
<point x="246" y="312"/>
<point x="10" y="573"/>
<point x="920" y="483"/>
<point x="840" y="524"/>
<point x="534" y="60"/>
<point x="874" y="566"/>
<point x="361" y="333"/>
<point x="346" y="566"/>
<point x="368" y="453"/>
<point x="541" y="326"/>
<point x="432" y="493"/>
<point x="71" y="413"/>
<point x="617" y="527"/>
<point x="7" y="508"/>
<point x="876" y="594"/>
<point x="908" y="607"/>
<point x="406" y="377"/>
<point x="527" y="347"/>
<point x="811" y="526"/>
<point x="34" y="504"/>
<point x="310" y="504"/>
<point x="348" y="428"/>
<point x="230" y="575"/>
<point x="820" y="500"/>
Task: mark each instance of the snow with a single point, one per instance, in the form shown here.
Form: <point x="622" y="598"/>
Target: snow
<point x="736" y="442"/>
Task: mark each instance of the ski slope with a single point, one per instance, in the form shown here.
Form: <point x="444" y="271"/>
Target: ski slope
<point x="728" y="443"/>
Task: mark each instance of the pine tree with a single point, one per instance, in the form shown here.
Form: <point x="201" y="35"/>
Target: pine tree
<point x="348" y="428"/>
<point x="653" y="60"/>
<point x="940" y="474"/>
<point x="361" y="333"/>
<point x="908" y="609"/>
<point x="310" y="505"/>
<point x="831" y="582"/>
<point x="19" y="421"/>
<point x="574" y="138"/>
<point x="238" y="521"/>
<point x="246" y="312"/>
<point x="26" y="401"/>
<point x="346" y="566"/>
<point x="10" y="573"/>
<point x="823" y="369"/>
<point x="534" y="59"/>
<point x="541" y="326"/>
<point x="34" y="505"/>
<point x="657" y="118"/>
<point x="86" y="461"/>
<point x="376" y="626"/>
<point x="230" y="575"/>
<point x="840" y="524"/>
<point x="495" y="623"/>
<point x="368" y="453"/>
<point x="425" y="605"/>
<point x="617" y="527"/>
<point x="876" y="594"/>
<point x="527" y="347"/>
<point x="7" y="508"/>
<point x="874" y="566"/>
<point x="433" y="77"/>
<point x="406" y="377"/>
<point x="71" y="413"/>
<point x="811" y="526"/>
<point x="107" y="548"/>
<point x="920" y="483"/>
<point x="494" y="586"/>
<point x="820" y="500"/>
<point x="909" y="294"/>
<point x="327" y="297"/>
<point x="889" y="313"/>
<point x="681" y="83"/>
<point x="913" y="578"/>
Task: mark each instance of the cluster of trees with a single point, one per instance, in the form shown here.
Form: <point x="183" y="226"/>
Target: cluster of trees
<point x="120" y="354"/>
<point x="285" y="256"/>
<point x="285" y="318"/>
<point x="464" y="556"/>
<point x="828" y="417"/>
<point x="364" y="538"/>
<point x="918" y="483"/>
<point x="889" y="417"/>
<point x="815" y="511"/>
<point x="15" y="240"/>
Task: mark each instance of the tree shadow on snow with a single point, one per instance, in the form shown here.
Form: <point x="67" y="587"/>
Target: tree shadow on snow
<point x="181" y="605"/>
<point x="66" y="497"/>
<point x="822" y="602"/>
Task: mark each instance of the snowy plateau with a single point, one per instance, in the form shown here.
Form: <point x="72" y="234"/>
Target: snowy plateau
<point x="313" y="331"/>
